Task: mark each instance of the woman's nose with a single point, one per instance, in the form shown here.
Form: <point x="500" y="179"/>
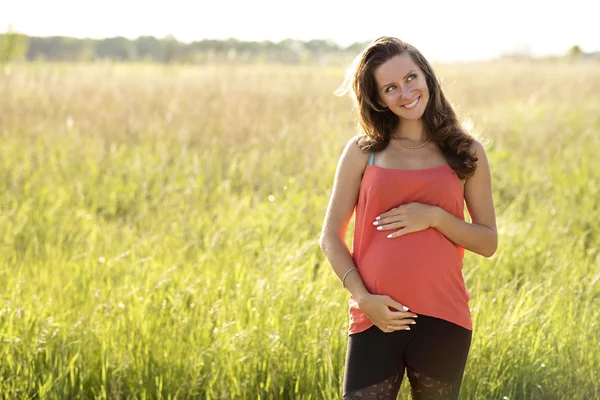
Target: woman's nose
<point x="405" y="92"/>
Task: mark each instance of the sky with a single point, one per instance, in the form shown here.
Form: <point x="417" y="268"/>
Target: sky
<point x="458" y="30"/>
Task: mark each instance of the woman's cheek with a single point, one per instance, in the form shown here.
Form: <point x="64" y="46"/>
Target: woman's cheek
<point x="391" y="97"/>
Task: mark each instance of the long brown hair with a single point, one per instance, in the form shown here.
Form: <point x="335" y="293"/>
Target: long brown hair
<point x="378" y="123"/>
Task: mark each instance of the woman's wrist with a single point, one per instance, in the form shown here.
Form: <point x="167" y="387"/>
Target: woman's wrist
<point x="437" y="215"/>
<point x="361" y="297"/>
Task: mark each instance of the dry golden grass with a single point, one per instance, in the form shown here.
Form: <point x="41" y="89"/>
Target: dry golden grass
<point x="160" y="226"/>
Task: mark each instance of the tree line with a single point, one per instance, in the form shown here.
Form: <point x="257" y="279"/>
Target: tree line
<point x="19" y="47"/>
<point x="16" y="46"/>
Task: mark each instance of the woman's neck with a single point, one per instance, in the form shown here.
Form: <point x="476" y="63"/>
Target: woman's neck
<point x="413" y="130"/>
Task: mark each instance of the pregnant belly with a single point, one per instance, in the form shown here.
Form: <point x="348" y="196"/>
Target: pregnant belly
<point x="420" y="261"/>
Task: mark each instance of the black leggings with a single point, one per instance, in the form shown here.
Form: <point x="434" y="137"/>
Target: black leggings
<point x="434" y="353"/>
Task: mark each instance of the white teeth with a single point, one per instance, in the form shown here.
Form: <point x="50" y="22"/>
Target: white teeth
<point x="413" y="104"/>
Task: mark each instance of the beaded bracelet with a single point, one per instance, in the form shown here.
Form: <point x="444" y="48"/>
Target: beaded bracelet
<point x="346" y="274"/>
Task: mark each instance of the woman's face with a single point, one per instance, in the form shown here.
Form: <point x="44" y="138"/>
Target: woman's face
<point x="402" y="87"/>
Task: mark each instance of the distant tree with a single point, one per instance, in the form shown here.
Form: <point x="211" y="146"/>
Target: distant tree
<point x="289" y="51"/>
<point x="60" y="48"/>
<point x="575" y="52"/>
<point x="170" y="50"/>
<point x="357" y="47"/>
<point x="13" y="46"/>
<point x="116" y="48"/>
<point x="87" y="50"/>
<point x="149" y="48"/>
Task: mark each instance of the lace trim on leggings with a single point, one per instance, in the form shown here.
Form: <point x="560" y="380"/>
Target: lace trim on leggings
<point x="385" y="390"/>
<point x="423" y="387"/>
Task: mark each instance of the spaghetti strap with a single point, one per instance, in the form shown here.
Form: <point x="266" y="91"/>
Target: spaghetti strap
<point x="371" y="158"/>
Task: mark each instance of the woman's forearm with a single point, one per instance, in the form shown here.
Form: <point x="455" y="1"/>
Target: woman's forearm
<point x="337" y="253"/>
<point x="476" y="238"/>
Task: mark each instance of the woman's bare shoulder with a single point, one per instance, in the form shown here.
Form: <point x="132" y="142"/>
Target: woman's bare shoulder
<point x="477" y="148"/>
<point x="482" y="173"/>
<point x="353" y="154"/>
<point x="353" y="146"/>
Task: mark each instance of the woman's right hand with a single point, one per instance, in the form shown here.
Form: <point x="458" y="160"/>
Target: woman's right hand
<point x="377" y="308"/>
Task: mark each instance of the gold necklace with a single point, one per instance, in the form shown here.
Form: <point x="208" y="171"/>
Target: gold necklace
<point x="409" y="147"/>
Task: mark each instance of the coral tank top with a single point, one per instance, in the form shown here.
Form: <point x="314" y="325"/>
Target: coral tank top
<point x="422" y="270"/>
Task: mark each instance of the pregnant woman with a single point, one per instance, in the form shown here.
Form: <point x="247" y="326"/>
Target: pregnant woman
<point x="407" y="177"/>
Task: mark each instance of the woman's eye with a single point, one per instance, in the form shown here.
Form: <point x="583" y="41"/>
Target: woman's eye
<point x="411" y="77"/>
<point x="390" y="88"/>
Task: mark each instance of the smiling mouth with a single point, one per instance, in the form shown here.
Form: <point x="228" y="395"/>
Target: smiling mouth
<point x="412" y="105"/>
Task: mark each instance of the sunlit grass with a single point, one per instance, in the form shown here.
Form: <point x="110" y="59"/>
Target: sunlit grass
<point x="160" y="225"/>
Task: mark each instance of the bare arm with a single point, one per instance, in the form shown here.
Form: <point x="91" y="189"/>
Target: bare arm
<point x="343" y="199"/>
<point x="480" y="236"/>
<point x="337" y="218"/>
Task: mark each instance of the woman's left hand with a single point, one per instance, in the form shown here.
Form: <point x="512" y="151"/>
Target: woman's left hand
<point x="411" y="217"/>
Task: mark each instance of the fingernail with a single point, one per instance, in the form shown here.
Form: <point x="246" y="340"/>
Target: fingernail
<point x="380" y="228"/>
<point x="405" y="308"/>
<point x="416" y="316"/>
<point x="389" y="236"/>
<point x="377" y="218"/>
<point x="407" y="328"/>
<point x="375" y="223"/>
<point x="414" y="322"/>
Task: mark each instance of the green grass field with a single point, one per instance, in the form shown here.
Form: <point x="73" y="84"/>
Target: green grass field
<point x="159" y="231"/>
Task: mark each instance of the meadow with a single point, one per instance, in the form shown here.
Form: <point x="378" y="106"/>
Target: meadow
<point x="159" y="231"/>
